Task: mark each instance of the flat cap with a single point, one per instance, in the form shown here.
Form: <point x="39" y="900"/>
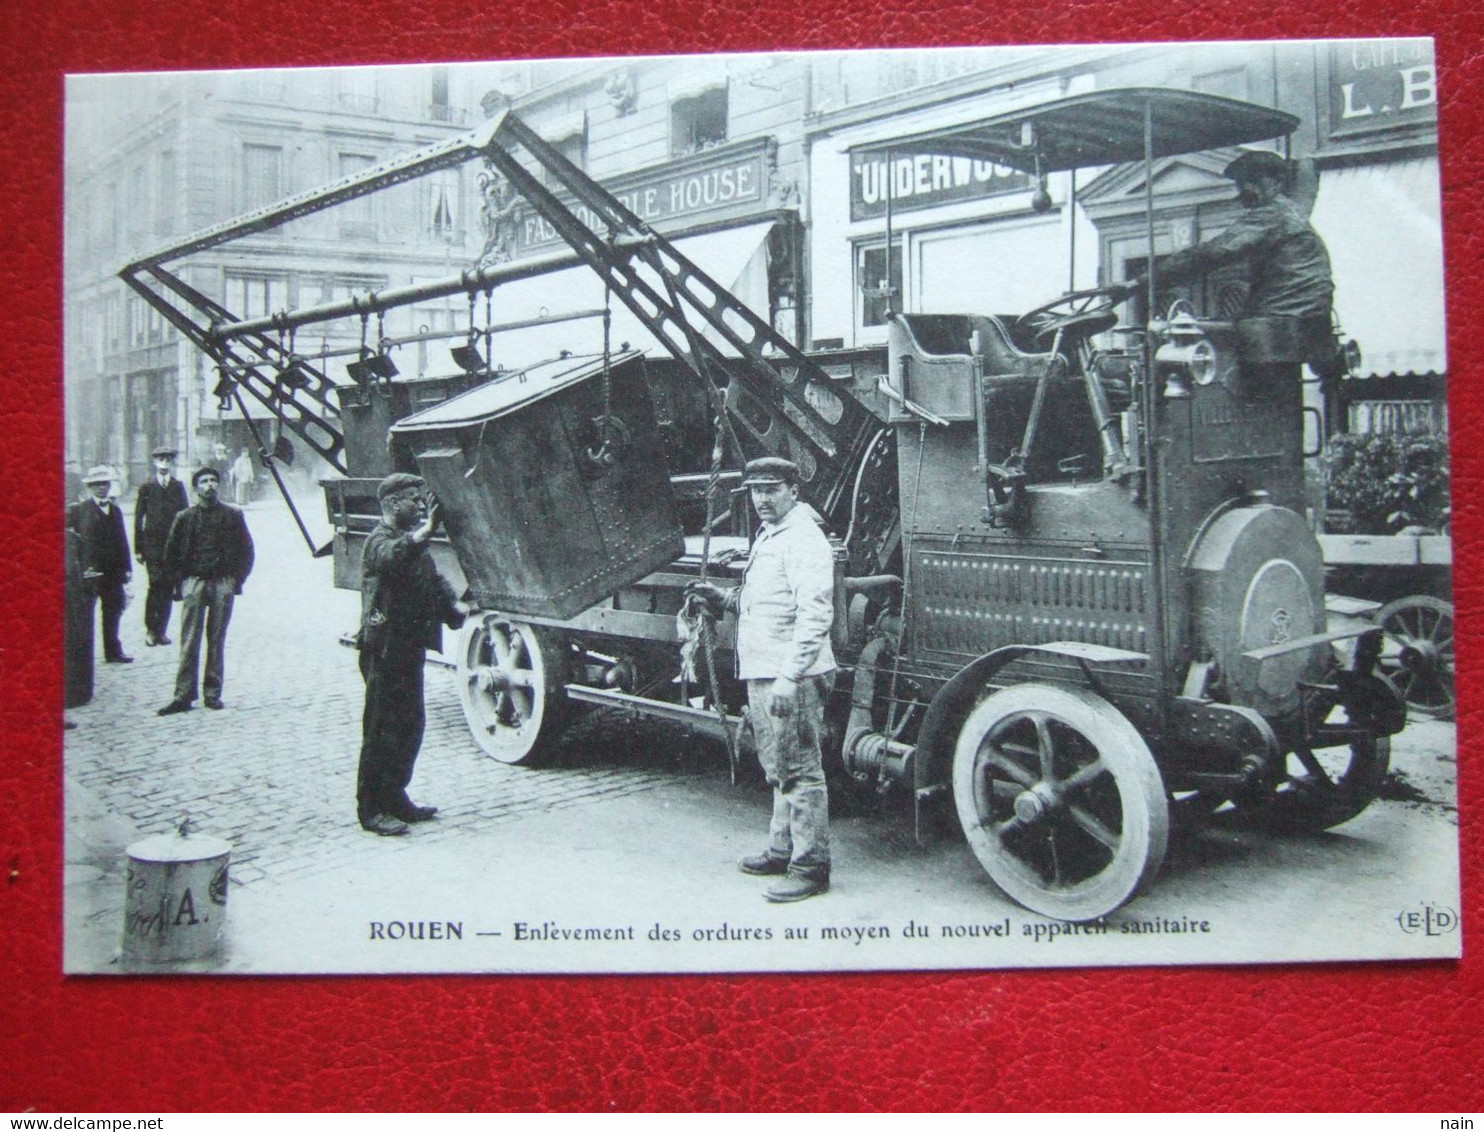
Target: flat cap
<point x="769" y="470"/>
<point x="206" y="471"/>
<point x="1256" y="163"/>
<point x="99" y="473"/>
<point x="397" y="481"/>
<point x="164" y="452"/>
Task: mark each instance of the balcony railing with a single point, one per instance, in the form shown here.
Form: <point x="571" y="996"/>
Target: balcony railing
<point x="361" y="103"/>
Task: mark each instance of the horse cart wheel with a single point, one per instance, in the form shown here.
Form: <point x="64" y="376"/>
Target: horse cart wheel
<point x="1331" y="785"/>
<point x="1418" y="655"/>
<point x="511" y="684"/>
<point x="1060" y="800"/>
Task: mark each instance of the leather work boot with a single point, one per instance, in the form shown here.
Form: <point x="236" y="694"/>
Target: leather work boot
<point x="794" y="887"/>
<point x="413" y="813"/>
<point x="384" y="825"/>
<point x="763" y="865"/>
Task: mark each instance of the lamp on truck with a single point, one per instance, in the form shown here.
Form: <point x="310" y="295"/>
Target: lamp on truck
<point x="1187" y="355"/>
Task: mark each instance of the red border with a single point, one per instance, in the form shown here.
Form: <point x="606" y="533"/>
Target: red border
<point x="1391" y="1037"/>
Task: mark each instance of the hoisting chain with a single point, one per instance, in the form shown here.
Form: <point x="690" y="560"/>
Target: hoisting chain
<point x="708" y="635"/>
<point x="605" y="430"/>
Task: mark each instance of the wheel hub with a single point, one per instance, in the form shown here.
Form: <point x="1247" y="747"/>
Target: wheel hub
<point x="1420" y="655"/>
<point x="1036" y="803"/>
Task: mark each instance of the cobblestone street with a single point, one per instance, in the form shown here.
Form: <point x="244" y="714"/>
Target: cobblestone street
<point x="645" y="834"/>
<point x="275" y="771"/>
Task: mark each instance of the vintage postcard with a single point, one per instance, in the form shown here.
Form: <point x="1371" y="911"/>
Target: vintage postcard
<point x="825" y="511"/>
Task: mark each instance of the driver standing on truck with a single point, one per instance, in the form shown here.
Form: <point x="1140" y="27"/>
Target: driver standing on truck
<point x="1288" y="271"/>
<point x="785" y="609"/>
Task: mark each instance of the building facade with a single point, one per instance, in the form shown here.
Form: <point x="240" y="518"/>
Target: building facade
<point x="965" y="236"/>
<point x="152" y="158"/>
<point x="768" y="172"/>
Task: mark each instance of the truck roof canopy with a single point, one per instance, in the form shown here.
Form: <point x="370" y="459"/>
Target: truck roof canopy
<point x="1104" y="127"/>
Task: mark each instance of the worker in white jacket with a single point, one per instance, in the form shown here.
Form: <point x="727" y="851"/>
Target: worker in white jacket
<point x="785" y="609"/>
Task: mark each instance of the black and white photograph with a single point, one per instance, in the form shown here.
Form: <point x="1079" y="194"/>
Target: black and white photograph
<point x="825" y="511"/>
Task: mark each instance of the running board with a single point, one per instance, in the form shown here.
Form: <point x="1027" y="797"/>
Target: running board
<point x="700" y="719"/>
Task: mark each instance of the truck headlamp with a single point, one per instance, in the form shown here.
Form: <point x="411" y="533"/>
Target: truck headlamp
<point x="1187" y="355"/>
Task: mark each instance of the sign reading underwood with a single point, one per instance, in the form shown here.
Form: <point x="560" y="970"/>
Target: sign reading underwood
<point x="924" y="181"/>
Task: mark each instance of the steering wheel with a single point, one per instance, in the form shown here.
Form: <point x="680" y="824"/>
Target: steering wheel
<point x="1082" y="313"/>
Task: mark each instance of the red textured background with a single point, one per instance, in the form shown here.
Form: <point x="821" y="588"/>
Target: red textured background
<point x="1391" y="1037"/>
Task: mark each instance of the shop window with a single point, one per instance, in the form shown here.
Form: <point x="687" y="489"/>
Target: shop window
<point x="442" y="211"/>
<point x="1221" y="293"/>
<point x="262" y="175"/>
<point x="439" y="109"/>
<point x="698" y="121"/>
<point x="357" y="216"/>
<point x="879" y="287"/>
<point x="165" y="200"/>
<point x="252" y="296"/>
<point x="138" y="201"/>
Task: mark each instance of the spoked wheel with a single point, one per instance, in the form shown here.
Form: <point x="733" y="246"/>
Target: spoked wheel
<point x="1330" y="785"/>
<point x="1418" y="653"/>
<point x="511" y="684"/>
<point x="1060" y="800"/>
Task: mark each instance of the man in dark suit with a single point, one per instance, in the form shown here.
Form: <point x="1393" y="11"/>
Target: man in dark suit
<point x="208" y="556"/>
<point x="161" y="498"/>
<point x="104" y="550"/>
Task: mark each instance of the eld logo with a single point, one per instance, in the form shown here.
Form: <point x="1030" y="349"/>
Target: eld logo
<point x="1429" y="920"/>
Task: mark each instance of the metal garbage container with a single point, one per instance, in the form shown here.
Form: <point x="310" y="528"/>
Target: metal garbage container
<point x="553" y="481"/>
<point x="175" y="907"/>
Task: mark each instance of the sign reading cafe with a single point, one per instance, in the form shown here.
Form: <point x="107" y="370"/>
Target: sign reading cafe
<point x="1377" y="84"/>
<point x="924" y="181"/>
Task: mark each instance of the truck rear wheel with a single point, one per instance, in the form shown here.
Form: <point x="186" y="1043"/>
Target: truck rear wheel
<point x="1327" y="786"/>
<point x="1060" y="799"/>
<point x="512" y="685"/>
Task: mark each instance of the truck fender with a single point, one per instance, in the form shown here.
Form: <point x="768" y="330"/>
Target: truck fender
<point x="933" y="761"/>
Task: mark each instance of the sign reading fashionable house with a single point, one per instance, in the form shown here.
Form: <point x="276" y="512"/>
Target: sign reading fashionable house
<point x="722" y="184"/>
<point x="924" y="181"/>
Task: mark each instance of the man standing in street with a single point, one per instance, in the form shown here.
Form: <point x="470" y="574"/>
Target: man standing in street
<point x="785" y="609"/>
<point x="104" y="551"/>
<point x="405" y="602"/>
<point x="208" y="556"/>
<point x="161" y="498"/>
<point x="242" y="478"/>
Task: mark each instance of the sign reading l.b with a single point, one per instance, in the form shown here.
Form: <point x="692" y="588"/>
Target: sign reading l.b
<point x="1377" y="84"/>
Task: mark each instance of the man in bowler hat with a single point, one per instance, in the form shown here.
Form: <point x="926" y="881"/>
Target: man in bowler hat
<point x="103" y="548"/>
<point x="785" y="609"/>
<point x="405" y="602"/>
<point x="161" y="498"/>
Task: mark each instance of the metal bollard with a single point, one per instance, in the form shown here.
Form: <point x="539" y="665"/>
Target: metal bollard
<point x="176" y="904"/>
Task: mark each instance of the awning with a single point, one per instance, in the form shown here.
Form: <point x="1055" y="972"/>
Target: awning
<point x="736" y="258"/>
<point x="1383" y="227"/>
